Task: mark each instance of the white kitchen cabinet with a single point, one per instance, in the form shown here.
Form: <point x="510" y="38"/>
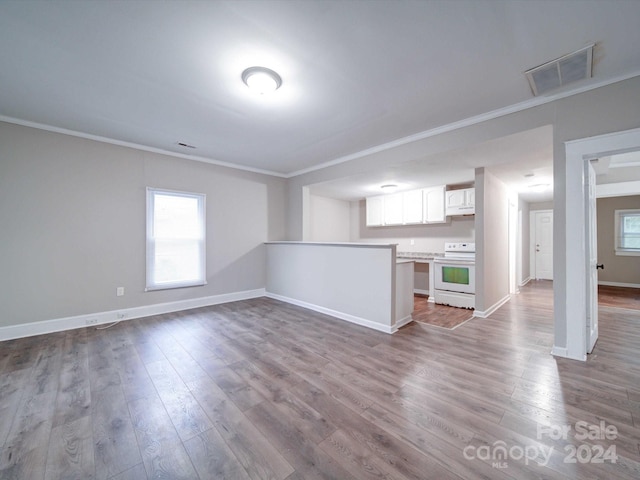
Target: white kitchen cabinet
<point x="461" y="202"/>
<point x="393" y="209"/>
<point x="375" y="211"/>
<point x="413" y="207"/>
<point x="433" y="205"/>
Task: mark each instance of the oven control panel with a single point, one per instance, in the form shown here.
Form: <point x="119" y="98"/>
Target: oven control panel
<point x="460" y="247"/>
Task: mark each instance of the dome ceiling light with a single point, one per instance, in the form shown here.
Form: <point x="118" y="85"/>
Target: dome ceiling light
<point x="261" y="80"/>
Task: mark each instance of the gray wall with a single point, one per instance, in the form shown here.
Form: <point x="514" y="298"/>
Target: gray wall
<point x="618" y="268"/>
<point x="611" y="108"/>
<point x="329" y="219"/>
<point x="524" y="248"/>
<point x="541" y="206"/>
<point x="72" y="216"/>
<point x="492" y="240"/>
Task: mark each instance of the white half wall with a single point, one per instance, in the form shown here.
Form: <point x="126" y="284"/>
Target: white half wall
<point x="355" y="282"/>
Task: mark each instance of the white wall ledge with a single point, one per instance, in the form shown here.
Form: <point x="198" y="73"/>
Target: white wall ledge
<point x="334" y="244"/>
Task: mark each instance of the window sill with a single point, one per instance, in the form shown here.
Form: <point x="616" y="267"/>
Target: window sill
<point x="172" y="286"/>
<point x="628" y="253"/>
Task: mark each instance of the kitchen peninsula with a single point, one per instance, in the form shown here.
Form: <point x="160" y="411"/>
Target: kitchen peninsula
<point x="425" y="258"/>
<point x="361" y="283"/>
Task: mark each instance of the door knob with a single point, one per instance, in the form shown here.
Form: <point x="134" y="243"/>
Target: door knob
<point x="600" y="266"/>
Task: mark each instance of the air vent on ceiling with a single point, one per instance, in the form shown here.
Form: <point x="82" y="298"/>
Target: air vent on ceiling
<point x="185" y="145"/>
<point x="561" y="71"/>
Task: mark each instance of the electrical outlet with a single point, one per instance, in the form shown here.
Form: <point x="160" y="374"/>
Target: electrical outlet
<point x="120" y="291"/>
<point x="121" y="315"/>
<point x="412" y="242"/>
<point x="92" y="321"/>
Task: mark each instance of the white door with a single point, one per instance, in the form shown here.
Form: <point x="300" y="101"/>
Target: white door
<point x="543" y="245"/>
<point x="592" y="258"/>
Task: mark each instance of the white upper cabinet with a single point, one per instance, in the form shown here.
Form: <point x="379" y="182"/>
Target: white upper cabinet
<point x="375" y="211"/>
<point x="413" y="207"/>
<point x="393" y="209"/>
<point x="433" y="199"/>
<point x="407" y="208"/>
<point x="461" y="202"/>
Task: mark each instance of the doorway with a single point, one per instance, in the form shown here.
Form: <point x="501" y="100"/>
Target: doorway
<point x="541" y="244"/>
<point x="574" y="332"/>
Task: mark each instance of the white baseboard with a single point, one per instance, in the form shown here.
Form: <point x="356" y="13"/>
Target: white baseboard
<point x="492" y="308"/>
<point x="334" y="313"/>
<point x="559" y="351"/>
<point x="100" y="318"/>
<point x="619" y="284"/>
<point x="524" y="282"/>
<point x="401" y="323"/>
<point x="564" y="352"/>
<point x="420" y="291"/>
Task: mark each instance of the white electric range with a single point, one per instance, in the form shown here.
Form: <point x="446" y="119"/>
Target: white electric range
<point x="455" y="275"/>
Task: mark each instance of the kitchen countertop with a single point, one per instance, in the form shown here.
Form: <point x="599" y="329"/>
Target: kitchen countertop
<point x="404" y="260"/>
<point x="418" y="255"/>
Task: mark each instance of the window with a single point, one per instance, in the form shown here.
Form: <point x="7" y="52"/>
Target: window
<point x="627" y="230"/>
<point x="175" y="239"/>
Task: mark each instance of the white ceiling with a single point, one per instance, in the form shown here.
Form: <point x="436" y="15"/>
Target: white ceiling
<point x="520" y="161"/>
<point x="357" y="74"/>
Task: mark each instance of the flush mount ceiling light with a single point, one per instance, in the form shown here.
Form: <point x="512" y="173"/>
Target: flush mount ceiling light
<point x="539" y="187"/>
<point x="389" y="188"/>
<point x="261" y="80"/>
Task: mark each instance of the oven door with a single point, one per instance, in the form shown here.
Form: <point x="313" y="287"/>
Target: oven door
<point x="455" y="275"/>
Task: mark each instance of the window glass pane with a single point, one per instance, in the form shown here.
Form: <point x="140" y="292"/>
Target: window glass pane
<point x="459" y="275"/>
<point x="177" y="261"/>
<point x="175" y="239"/>
<point x="630" y="237"/>
<point x="176" y="217"/>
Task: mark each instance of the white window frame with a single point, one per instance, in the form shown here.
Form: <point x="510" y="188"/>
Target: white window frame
<point x="619" y="234"/>
<point x="151" y="283"/>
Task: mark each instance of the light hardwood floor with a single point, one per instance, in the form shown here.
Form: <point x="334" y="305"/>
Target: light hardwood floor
<point x="261" y="389"/>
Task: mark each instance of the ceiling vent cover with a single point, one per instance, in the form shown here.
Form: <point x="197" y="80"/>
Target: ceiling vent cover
<point x="561" y="71"/>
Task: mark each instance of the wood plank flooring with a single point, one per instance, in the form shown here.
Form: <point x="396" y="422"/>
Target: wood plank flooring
<point x="620" y="297"/>
<point x="260" y="389"/>
<point x="442" y="316"/>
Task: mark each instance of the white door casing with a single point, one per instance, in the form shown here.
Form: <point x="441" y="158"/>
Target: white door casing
<point x="592" y="257"/>
<point x="572" y="312"/>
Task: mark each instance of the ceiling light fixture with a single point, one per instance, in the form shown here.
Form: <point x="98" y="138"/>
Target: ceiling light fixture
<point x="389" y="188"/>
<point x="261" y="80"/>
<point x="539" y="187"/>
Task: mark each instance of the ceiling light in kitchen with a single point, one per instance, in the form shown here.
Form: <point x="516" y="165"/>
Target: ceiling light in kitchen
<point x="261" y="80"/>
<point x="389" y="188"/>
<point x="539" y="187"/>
